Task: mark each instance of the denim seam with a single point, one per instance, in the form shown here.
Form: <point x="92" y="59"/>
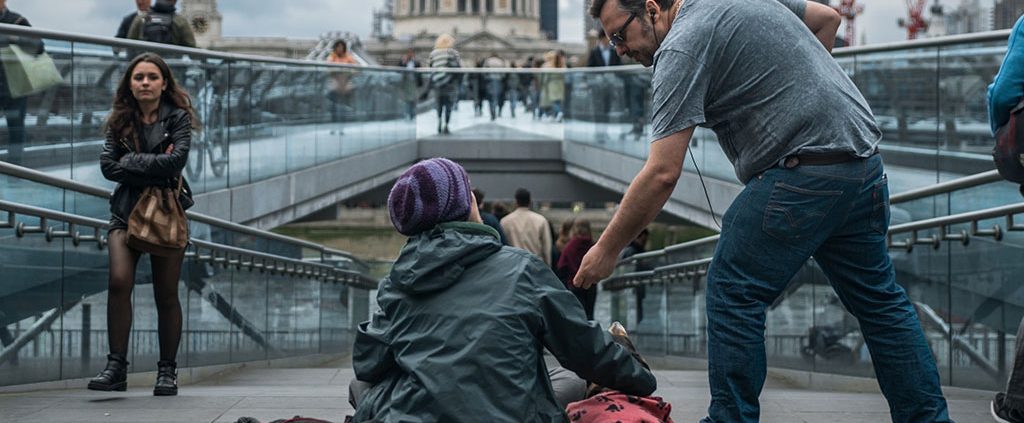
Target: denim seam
<point x="804" y="170"/>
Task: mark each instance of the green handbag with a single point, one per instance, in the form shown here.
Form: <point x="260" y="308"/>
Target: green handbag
<point x="28" y="74"/>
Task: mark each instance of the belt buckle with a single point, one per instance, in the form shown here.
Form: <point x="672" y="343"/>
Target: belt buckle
<point x="791" y="162"/>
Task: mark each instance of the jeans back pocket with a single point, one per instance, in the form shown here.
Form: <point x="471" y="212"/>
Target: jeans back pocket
<point x="880" y="213"/>
<point x="793" y="214"/>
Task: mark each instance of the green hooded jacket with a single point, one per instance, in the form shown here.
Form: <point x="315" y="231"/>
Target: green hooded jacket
<point x="460" y="334"/>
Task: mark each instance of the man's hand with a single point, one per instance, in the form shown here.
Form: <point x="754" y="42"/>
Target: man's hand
<point x="169" y="149"/>
<point x="643" y="201"/>
<point x="597" y="265"/>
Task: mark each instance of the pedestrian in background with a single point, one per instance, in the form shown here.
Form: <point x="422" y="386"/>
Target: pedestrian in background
<point x="142" y="6"/>
<point x="581" y="238"/>
<point x="445" y="84"/>
<point x="15" y="108"/>
<point x="528" y="229"/>
<point x="162" y="24"/>
<point x="1005" y="94"/>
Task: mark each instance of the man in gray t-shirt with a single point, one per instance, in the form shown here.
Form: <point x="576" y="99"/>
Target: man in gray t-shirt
<point x="803" y="140"/>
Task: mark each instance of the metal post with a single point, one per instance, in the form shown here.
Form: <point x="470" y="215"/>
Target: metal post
<point x="664" y="316"/>
<point x="86" y="333"/>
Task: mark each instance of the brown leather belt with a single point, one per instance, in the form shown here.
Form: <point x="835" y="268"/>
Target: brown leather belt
<point x="819" y="159"/>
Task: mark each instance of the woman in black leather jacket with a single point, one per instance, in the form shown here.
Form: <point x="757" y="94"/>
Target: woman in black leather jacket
<point x="149" y="109"/>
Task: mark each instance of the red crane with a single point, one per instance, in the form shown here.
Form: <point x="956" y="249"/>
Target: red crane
<point x="849" y="9"/>
<point x="915" y="22"/>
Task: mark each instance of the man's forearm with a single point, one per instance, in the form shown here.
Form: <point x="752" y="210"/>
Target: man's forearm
<point x="641" y="204"/>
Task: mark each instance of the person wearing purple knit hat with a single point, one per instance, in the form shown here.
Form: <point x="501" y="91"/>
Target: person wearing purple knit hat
<point x="431" y="192"/>
<point x="462" y="321"/>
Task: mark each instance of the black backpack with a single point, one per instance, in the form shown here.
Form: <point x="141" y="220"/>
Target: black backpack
<point x="156" y="27"/>
<point x="1009" y="150"/>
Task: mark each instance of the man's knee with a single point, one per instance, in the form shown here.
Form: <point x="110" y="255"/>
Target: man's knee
<point x="568" y="387"/>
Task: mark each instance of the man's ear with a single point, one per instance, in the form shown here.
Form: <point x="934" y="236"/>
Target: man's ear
<point x="652" y="9"/>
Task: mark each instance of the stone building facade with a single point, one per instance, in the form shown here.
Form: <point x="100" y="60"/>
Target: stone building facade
<point x="510" y="28"/>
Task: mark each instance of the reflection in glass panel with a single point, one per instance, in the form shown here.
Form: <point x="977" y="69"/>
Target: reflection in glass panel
<point x="96" y="73"/>
<point x="986" y="307"/>
<point x="686" y="318"/>
<point x="211" y="313"/>
<point x="249" y="294"/>
<point x="31" y="305"/>
<point x="240" y="121"/>
<point x="650" y="332"/>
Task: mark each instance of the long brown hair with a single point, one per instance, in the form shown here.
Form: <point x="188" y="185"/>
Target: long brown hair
<point x="124" y="115"/>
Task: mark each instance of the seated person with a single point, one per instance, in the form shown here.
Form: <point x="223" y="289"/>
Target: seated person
<point x="463" y="321"/>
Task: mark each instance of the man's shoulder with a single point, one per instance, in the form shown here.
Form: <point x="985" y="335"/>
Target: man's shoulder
<point x="536" y="216"/>
<point x="180" y="20"/>
<point x="12" y="17"/>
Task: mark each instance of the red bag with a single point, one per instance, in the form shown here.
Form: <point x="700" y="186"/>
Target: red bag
<point x="614" y="406"/>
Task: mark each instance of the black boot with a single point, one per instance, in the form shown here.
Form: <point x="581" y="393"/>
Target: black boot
<point x="114" y="377"/>
<point x="166" y="378"/>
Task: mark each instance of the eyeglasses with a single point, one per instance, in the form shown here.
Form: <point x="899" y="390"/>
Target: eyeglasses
<point x="618" y="36"/>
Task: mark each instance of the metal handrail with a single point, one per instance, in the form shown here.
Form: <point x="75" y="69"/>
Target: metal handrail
<point x="947" y="187"/>
<point x="58" y="182"/>
<point x="973" y="217"/>
<point x="964" y="236"/>
<point x="192" y="52"/>
<point x="976" y="37"/>
<point x="258" y="260"/>
<point x="135" y="44"/>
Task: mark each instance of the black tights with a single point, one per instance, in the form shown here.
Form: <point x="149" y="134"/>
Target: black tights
<point x="166" y="271"/>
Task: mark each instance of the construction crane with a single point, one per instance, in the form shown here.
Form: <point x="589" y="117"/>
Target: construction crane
<point x="849" y="9"/>
<point x="915" y="22"/>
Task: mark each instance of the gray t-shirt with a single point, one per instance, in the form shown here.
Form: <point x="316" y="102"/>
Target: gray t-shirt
<point x="754" y="73"/>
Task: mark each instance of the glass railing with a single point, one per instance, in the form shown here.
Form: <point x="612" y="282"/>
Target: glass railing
<point x="959" y="264"/>
<point x="260" y="117"/>
<point x="266" y="117"/>
<point x="245" y="294"/>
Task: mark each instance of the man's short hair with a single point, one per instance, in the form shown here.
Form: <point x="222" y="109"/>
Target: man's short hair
<point x="522" y="197"/>
<point x="479" y="197"/>
<point x="632" y="6"/>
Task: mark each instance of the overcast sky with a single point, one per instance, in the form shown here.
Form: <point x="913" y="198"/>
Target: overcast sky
<point x="310" y="18"/>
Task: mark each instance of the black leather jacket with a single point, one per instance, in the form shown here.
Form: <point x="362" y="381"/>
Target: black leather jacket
<point x="133" y="171"/>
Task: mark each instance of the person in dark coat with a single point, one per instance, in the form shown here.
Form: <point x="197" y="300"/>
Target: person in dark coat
<point x="603" y="54"/>
<point x="148" y="137"/>
<point x="463" y="321"/>
<point x="581" y="238"/>
<point x="488" y="218"/>
<point x="143" y="6"/>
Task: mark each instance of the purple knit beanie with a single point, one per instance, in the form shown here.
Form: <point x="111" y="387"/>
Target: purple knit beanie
<point x="429" y="192"/>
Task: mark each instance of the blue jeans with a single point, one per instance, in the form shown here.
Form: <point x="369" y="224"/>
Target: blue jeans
<point x="840" y="215"/>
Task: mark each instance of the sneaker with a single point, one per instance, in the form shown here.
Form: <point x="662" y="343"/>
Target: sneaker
<point x="1004" y="414"/>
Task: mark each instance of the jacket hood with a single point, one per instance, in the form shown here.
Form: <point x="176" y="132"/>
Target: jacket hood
<point x="435" y="259"/>
<point x="162" y="7"/>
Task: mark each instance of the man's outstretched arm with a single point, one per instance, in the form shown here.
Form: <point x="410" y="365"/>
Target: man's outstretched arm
<point x="641" y="204"/>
